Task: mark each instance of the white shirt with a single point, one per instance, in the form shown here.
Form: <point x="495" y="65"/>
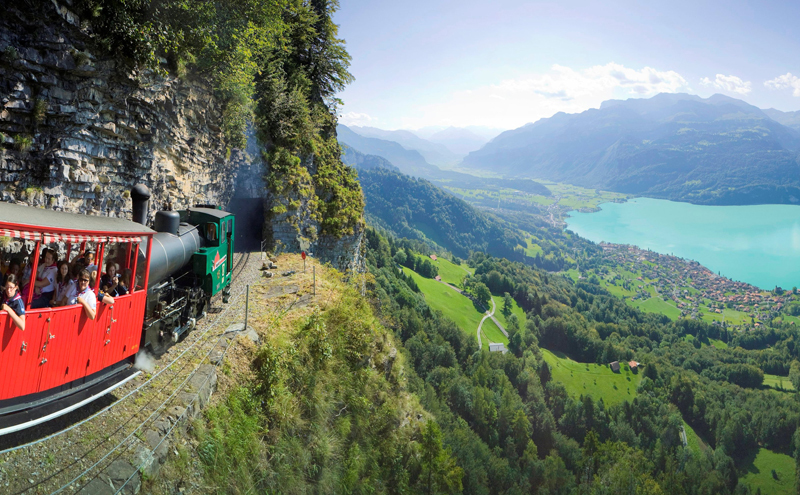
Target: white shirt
<point x="50" y="273"/>
<point x="70" y="289"/>
<point x="88" y="296"/>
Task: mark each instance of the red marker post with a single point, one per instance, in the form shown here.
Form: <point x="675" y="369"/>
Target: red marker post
<point x="303" y="255"/>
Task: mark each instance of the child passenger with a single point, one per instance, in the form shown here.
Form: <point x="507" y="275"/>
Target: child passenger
<point x="12" y="301"/>
<point x="46" y="281"/>
<point x="85" y="295"/>
<point x="65" y="285"/>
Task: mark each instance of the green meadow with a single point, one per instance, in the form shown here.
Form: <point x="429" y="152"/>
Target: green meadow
<point x="454" y="305"/>
<point x="757" y="474"/>
<point x="592" y="379"/>
<point x="492" y="333"/>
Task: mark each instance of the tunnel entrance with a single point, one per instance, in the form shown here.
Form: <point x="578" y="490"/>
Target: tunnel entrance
<point x="249" y="223"/>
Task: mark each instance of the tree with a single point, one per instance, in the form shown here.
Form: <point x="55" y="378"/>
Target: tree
<point x="794" y="374"/>
<point x="440" y="474"/>
<point x="400" y="257"/>
<point x="482" y="294"/>
<point x="508" y="303"/>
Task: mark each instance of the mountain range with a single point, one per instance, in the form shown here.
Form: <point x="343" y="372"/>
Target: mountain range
<point x="716" y="150"/>
<point x="434" y="153"/>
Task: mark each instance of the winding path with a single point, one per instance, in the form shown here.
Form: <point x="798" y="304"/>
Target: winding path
<point x="488" y="315"/>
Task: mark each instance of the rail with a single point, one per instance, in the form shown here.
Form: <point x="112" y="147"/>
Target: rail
<point x="198" y="345"/>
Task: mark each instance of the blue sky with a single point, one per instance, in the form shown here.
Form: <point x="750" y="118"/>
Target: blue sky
<point x="505" y="63"/>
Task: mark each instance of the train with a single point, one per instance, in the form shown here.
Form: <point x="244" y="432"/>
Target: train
<point x="63" y="359"/>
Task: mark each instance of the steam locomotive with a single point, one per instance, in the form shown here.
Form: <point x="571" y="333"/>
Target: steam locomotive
<point x="62" y="359"/>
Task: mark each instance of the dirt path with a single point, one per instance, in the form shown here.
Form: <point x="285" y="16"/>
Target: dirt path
<point x="488" y="315"/>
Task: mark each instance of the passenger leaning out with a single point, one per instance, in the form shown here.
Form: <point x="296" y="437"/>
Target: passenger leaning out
<point x="12" y="301"/>
<point x="85" y="295"/>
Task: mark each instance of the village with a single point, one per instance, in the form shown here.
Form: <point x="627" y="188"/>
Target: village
<point x="696" y="291"/>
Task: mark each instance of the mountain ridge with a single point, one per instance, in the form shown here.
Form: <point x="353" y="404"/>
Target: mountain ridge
<point x="715" y="150"/>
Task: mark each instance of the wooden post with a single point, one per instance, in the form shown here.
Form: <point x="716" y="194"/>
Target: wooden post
<point x="246" y="306"/>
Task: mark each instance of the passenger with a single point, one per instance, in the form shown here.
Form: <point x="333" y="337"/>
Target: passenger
<point x="102" y="295"/>
<point x="12" y="301"/>
<point x="13" y="269"/>
<point x="88" y="261"/>
<point x="124" y="281"/>
<point x="65" y="287"/>
<point x="109" y="281"/>
<point x="45" y="283"/>
<point x="85" y="295"/>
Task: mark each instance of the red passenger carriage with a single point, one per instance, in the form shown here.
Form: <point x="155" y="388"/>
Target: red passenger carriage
<point x="63" y="359"/>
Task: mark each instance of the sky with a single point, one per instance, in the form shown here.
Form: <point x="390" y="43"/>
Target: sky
<point x="505" y="63"/>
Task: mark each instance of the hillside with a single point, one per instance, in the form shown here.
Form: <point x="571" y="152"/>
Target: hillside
<point x="354" y="158"/>
<point x="458" y="139"/>
<point x="417" y="209"/>
<point x="434" y="153"/>
<point x="408" y="161"/>
<point x="717" y="150"/>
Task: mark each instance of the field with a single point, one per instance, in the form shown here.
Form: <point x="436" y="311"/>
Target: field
<point x="492" y="333"/>
<point x="595" y="380"/>
<point x="455" y="306"/>
<point x="778" y="382"/>
<point x="451" y="273"/>
<point x="658" y="305"/>
<point x="515" y="309"/>
<point x="757" y="474"/>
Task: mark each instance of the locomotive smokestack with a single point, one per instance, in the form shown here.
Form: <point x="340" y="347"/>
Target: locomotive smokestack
<point x="140" y="195"/>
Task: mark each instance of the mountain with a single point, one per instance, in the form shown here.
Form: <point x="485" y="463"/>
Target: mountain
<point x="354" y="158"/>
<point x="458" y="140"/>
<point x="408" y="161"/>
<point x="487" y="133"/>
<point x="717" y="150"/>
<point x="434" y="153"/>
<point x="417" y="209"/>
<point x="789" y="119"/>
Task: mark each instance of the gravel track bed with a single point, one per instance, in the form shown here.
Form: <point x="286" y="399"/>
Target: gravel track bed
<point x="51" y="464"/>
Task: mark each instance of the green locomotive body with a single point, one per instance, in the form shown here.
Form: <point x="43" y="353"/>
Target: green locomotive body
<point x="213" y="263"/>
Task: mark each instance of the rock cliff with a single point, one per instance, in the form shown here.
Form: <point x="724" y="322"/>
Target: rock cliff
<point x="78" y="130"/>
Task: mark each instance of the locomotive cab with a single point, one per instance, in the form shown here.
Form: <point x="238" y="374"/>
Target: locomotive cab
<point x="213" y="263"/>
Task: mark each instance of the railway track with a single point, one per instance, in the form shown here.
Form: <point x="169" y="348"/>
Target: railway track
<point x="85" y="448"/>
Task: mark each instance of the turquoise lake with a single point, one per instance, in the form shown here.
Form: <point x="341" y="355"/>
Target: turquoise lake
<point x="759" y="244"/>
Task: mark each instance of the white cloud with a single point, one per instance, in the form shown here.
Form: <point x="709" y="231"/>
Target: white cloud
<point x="731" y="84"/>
<point x="354" y="118"/>
<point x="786" y="81"/>
<point x="514" y="102"/>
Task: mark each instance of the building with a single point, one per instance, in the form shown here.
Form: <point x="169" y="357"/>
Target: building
<point x="498" y="348"/>
<point x="614" y="366"/>
<point x="433" y="257"/>
<point x="634" y="365"/>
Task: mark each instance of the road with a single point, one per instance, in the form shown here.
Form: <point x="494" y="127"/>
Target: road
<point x="488" y="315"/>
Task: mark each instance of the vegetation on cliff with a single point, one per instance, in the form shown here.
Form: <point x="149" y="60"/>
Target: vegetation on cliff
<point x="275" y="63"/>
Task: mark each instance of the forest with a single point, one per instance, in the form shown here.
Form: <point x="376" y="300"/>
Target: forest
<point x="514" y="430"/>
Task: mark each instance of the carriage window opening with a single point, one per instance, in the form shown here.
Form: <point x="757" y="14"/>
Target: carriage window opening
<point x="230" y="226"/>
<point x="224" y="232"/>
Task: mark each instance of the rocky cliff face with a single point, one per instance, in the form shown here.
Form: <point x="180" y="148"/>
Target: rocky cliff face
<point x="78" y="130"/>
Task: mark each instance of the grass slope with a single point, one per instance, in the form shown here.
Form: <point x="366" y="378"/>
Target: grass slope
<point x="452" y="273"/>
<point x="515" y="309"/>
<point x="595" y="380"/>
<point x="778" y="382"/>
<point x="757" y="474"/>
<point x="454" y="305"/>
<point x="492" y="333"/>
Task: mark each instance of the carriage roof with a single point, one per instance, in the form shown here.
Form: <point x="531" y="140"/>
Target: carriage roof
<point x="41" y="220"/>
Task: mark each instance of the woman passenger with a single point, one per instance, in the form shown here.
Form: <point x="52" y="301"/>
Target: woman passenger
<point x="65" y="285"/>
<point x="12" y="301"/>
<point x="110" y="279"/>
<point x="46" y="281"/>
<point x="13" y="269"/>
<point x="85" y="295"/>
